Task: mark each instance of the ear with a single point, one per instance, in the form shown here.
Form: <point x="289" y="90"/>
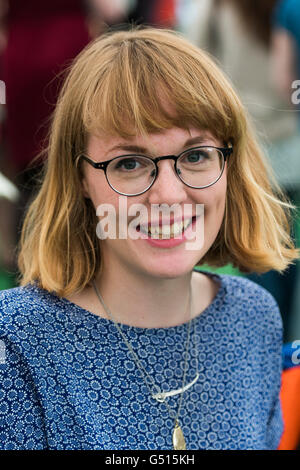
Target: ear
<point x="85" y="188"/>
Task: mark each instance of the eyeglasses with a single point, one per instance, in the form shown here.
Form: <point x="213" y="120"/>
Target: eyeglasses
<point x="132" y="175"/>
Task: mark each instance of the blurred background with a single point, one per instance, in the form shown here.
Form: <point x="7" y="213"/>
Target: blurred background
<point x="256" y="43"/>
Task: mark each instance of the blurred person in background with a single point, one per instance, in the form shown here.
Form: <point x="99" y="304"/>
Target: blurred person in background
<point x="39" y="39"/>
<point x="8" y="193"/>
<point x="122" y="14"/>
<point x="162" y="12"/>
<point x="238" y="33"/>
<point x="104" y="13"/>
<point x="286" y="73"/>
<point x="286" y="48"/>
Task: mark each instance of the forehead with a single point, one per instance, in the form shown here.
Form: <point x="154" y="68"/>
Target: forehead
<point x="170" y="140"/>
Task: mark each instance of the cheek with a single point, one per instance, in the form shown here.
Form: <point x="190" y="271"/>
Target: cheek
<point x="99" y="191"/>
<point x="214" y="202"/>
<point x="213" y="197"/>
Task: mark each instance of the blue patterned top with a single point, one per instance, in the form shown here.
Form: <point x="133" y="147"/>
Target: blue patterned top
<point x="68" y="381"/>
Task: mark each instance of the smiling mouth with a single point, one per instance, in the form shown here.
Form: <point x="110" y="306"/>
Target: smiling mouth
<point x="166" y="231"/>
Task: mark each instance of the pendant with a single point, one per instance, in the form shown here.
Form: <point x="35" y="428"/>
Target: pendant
<point x="178" y="438"/>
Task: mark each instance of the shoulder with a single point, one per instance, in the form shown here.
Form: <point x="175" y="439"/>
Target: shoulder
<point x="251" y="302"/>
<point x="242" y="287"/>
<point x="26" y="309"/>
<point x="253" y="322"/>
<point x="14" y="302"/>
<point x="20" y="300"/>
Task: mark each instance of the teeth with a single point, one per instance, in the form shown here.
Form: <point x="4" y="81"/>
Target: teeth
<point x="166" y="230"/>
<point x="186" y="223"/>
<point x="177" y="228"/>
<point x="154" y="230"/>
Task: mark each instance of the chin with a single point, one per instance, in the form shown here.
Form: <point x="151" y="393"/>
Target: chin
<point x="172" y="269"/>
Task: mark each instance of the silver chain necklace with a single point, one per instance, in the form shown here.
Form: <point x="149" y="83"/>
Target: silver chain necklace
<point x="156" y="393"/>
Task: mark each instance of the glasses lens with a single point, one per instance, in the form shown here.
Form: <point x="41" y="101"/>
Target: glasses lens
<point x="132" y="174"/>
<point x="200" y="167"/>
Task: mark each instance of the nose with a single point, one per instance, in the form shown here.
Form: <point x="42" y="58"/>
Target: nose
<point x="167" y="188"/>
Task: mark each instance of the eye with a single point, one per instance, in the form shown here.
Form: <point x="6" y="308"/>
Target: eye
<point x="127" y="164"/>
<point x="196" y="156"/>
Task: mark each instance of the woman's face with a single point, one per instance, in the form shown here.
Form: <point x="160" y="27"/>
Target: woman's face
<point x="145" y="256"/>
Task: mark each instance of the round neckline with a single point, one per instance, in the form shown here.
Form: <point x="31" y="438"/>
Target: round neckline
<point x="88" y="314"/>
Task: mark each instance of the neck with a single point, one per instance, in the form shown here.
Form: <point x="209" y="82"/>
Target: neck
<point x="144" y="301"/>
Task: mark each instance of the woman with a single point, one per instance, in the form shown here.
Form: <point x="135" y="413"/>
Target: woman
<point x="115" y="342"/>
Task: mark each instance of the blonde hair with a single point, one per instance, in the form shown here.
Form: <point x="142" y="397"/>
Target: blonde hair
<point x="116" y="85"/>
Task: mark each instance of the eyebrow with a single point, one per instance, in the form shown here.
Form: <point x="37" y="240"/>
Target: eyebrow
<point x="139" y="149"/>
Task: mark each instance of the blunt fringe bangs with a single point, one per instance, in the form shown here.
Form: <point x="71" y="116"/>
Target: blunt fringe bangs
<point x="139" y="82"/>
